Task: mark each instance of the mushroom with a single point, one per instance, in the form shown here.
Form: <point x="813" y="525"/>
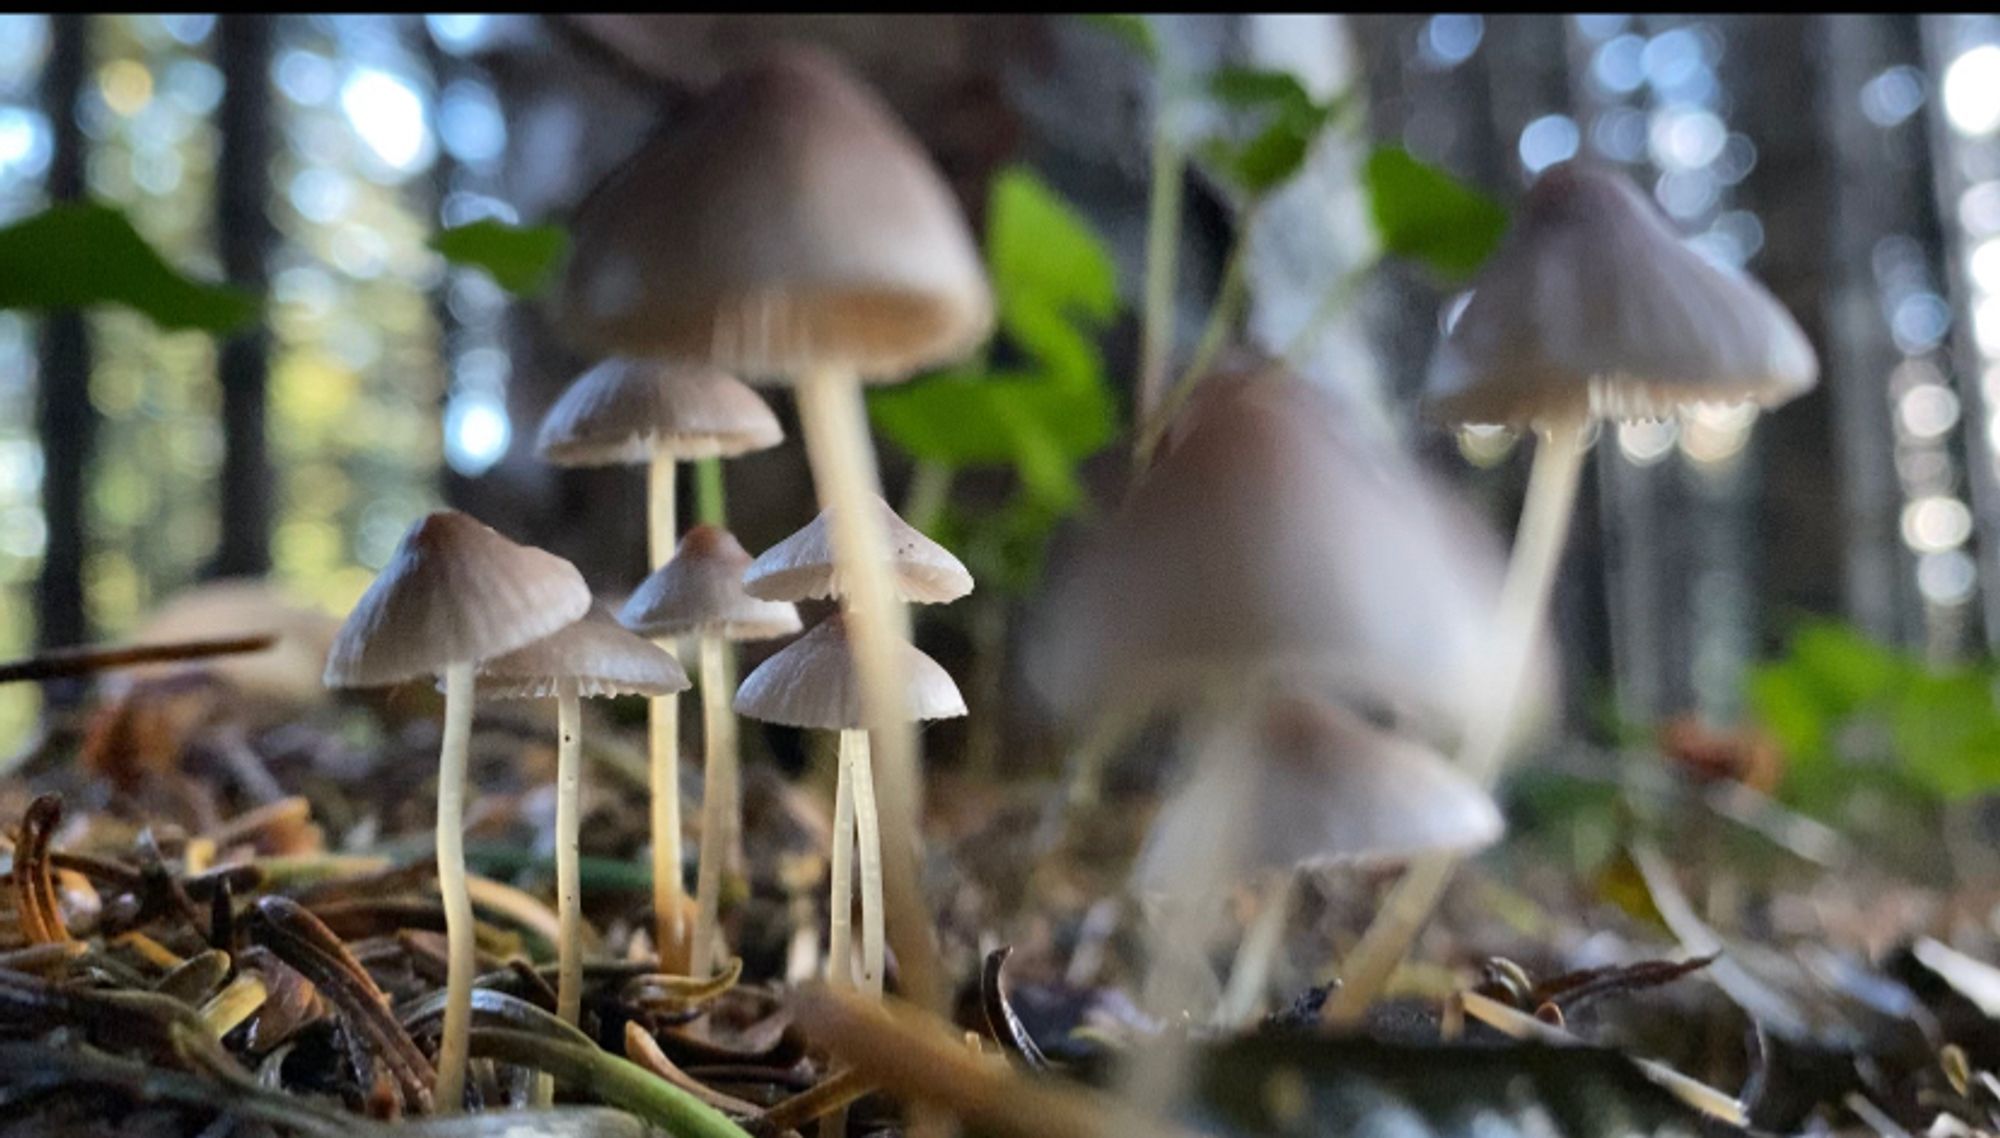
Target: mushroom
<point x="1323" y="787"/>
<point x="1272" y="539"/>
<point x="804" y="566"/>
<point x="628" y="410"/>
<point x="454" y="593"/>
<point x="1593" y="308"/>
<point x="790" y="229"/>
<point x="591" y="659"/>
<point x="814" y="683"/>
<point x="700" y="593"/>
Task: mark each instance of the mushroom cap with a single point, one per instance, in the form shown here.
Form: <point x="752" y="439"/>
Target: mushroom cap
<point x="790" y="222"/>
<point x="454" y="592"/>
<point x="700" y="593"/>
<point x="1322" y="787"/>
<point x="801" y="567"/>
<point x="1595" y="306"/>
<point x="1273" y="540"/>
<point x="596" y="652"/>
<point x="628" y="410"/>
<point x="812" y="682"/>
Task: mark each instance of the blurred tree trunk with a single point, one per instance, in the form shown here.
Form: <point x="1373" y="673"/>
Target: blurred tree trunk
<point x="245" y="236"/>
<point x="65" y="418"/>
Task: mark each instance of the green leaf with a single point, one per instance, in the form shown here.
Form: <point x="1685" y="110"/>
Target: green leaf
<point x="1244" y="88"/>
<point x="1133" y="29"/>
<point x="1041" y="249"/>
<point x="1425" y="214"/>
<point x="85" y="255"/>
<point x="519" y="258"/>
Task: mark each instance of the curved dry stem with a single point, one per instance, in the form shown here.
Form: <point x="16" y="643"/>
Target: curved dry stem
<point x="718" y="802"/>
<point x="461" y="962"/>
<point x="843" y="464"/>
<point x="1524" y="603"/>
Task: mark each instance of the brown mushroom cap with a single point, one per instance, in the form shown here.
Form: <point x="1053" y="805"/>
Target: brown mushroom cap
<point x="802" y="566"/>
<point x="700" y="593"/>
<point x="788" y="223"/>
<point x="597" y="653"/>
<point x="1594" y="306"/>
<point x="454" y="592"/>
<point x="1271" y="539"/>
<point x="812" y="683"/>
<point x="627" y="411"/>
<point x="1325" y="788"/>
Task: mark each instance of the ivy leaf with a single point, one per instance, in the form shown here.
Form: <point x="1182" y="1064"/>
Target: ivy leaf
<point x="1132" y="29"/>
<point x="519" y="258"/>
<point x="84" y="255"/>
<point x="1425" y="214"/>
<point x="1245" y="88"/>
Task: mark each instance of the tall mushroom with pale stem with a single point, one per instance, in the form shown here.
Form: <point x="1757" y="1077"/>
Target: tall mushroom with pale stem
<point x="790" y="229"/>
<point x="628" y="411"/>
<point x="1593" y="309"/>
<point x="594" y="658"/>
<point x="453" y="594"/>
<point x="699" y="593"/>
<point x="805" y="566"/>
<point x="813" y="682"/>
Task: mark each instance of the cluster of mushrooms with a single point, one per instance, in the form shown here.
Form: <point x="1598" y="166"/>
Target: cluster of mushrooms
<point x="1326" y="623"/>
<point x="788" y="230"/>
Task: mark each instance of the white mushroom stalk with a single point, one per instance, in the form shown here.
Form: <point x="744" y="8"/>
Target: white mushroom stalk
<point x="569" y="870"/>
<point x="834" y="422"/>
<point x="719" y="800"/>
<point x="454" y="1044"/>
<point x="663" y="735"/>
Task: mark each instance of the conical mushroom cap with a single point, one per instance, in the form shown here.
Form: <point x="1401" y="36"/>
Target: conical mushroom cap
<point x="1273" y="540"/>
<point x="1323" y="788"/>
<point x="788" y="223"/>
<point x="1594" y="306"/>
<point x="597" y="652"/>
<point x="700" y="593"/>
<point x="453" y="592"/>
<point x="627" y="410"/>
<point x="801" y="567"/>
<point x="812" y="683"/>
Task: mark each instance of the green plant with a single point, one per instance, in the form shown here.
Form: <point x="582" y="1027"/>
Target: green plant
<point x="1852" y="713"/>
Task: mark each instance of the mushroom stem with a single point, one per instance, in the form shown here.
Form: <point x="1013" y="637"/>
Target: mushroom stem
<point x="840" y="910"/>
<point x="569" y="825"/>
<point x="1250" y="975"/>
<point x="454" y="1043"/>
<point x="1524" y="603"/>
<point x="833" y="416"/>
<point x="663" y="737"/>
<point x="868" y="843"/>
<point x="718" y="802"/>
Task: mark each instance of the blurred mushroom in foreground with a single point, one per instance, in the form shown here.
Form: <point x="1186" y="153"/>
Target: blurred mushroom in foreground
<point x="1593" y="308"/>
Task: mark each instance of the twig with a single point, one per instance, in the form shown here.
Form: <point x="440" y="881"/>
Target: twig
<point x="85" y="661"/>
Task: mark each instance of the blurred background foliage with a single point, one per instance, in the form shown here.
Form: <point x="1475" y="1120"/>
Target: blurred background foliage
<point x="401" y="354"/>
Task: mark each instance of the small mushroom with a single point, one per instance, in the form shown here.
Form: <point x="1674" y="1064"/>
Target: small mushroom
<point x="813" y="683"/>
<point x="593" y="658"/>
<point x="628" y="410"/>
<point x="453" y="594"/>
<point x="788" y="228"/>
<point x="1593" y="308"/>
<point x="699" y="593"/>
<point x="804" y="567"/>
